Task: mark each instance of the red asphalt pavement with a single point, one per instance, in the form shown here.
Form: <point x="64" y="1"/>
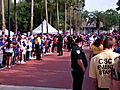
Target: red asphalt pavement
<point x="52" y="72"/>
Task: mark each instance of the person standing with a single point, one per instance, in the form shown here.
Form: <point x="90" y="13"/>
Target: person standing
<point x="55" y="41"/>
<point x="1" y="51"/>
<point x="28" y="49"/>
<point x="96" y="48"/>
<point x="115" y="75"/>
<point x="101" y="65"/>
<point x="9" y="53"/>
<point x="37" y="47"/>
<point x="69" y="43"/>
<point x="60" y="44"/>
<point x="78" y="64"/>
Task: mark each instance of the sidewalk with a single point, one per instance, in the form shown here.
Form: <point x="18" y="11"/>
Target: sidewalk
<point x="7" y="87"/>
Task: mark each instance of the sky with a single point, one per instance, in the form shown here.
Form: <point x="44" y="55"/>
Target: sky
<point x="100" y="5"/>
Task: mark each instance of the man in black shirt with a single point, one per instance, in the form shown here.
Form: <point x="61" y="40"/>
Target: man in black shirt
<point x="60" y="44"/>
<point x="78" y="64"/>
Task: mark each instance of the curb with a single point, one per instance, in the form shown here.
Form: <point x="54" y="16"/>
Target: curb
<point x="10" y="87"/>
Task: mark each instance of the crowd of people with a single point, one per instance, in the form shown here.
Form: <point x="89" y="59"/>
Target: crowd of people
<point x="104" y="58"/>
<point x="104" y="54"/>
<point x="19" y="48"/>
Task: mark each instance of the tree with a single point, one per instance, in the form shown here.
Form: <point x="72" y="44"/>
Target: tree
<point x="32" y="11"/>
<point x="3" y="16"/>
<point x="39" y="9"/>
<point x="24" y="17"/>
<point x="118" y="3"/>
<point x="110" y="18"/>
<point x="15" y="16"/>
<point x="23" y="13"/>
<point x="57" y="3"/>
<point x="51" y="8"/>
<point x="46" y="10"/>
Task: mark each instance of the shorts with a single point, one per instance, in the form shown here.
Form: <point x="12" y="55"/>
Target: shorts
<point x="9" y="54"/>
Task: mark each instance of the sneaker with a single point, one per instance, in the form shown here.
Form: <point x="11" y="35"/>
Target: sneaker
<point x="18" y="62"/>
<point x="9" y="66"/>
<point x="22" y="62"/>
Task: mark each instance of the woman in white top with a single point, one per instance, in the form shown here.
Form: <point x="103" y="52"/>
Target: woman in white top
<point x="9" y="54"/>
<point x="28" y="49"/>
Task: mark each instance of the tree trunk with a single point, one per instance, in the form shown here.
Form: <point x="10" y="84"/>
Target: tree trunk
<point x="3" y="16"/>
<point x="70" y="20"/>
<point x="15" y="16"/>
<point x="46" y="9"/>
<point x="65" y="18"/>
<point x="9" y="17"/>
<point x="76" y="21"/>
<point x="57" y="16"/>
<point x="73" y="24"/>
<point x="32" y="9"/>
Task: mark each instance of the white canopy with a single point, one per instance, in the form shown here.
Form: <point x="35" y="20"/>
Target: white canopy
<point x="51" y="30"/>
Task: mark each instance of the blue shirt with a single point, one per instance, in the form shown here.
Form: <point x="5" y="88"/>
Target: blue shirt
<point x="118" y="50"/>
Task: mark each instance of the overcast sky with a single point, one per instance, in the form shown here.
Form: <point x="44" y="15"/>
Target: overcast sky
<point x="100" y="5"/>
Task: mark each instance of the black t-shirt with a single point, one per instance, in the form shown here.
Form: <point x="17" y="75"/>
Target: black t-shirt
<point x="60" y="40"/>
<point x="78" y="54"/>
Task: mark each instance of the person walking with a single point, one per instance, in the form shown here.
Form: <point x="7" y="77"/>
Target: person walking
<point x="78" y="64"/>
<point x="101" y="65"/>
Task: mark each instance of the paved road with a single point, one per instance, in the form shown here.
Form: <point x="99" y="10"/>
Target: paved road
<point x="53" y="73"/>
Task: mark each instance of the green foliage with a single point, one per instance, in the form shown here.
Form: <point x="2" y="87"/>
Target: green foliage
<point x="118" y="3"/>
<point x="109" y="18"/>
<point x="24" y="13"/>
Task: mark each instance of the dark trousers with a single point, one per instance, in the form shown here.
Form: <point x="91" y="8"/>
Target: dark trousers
<point x="27" y="55"/>
<point x="60" y="51"/>
<point x="54" y="45"/>
<point x="38" y="52"/>
<point x="77" y="80"/>
<point x="14" y="58"/>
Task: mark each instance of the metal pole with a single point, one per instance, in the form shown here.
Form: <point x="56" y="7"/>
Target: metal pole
<point x="9" y="26"/>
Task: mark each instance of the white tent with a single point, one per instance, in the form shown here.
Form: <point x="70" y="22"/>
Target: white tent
<point x="42" y="29"/>
<point x="7" y="32"/>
